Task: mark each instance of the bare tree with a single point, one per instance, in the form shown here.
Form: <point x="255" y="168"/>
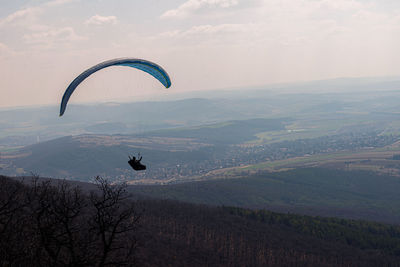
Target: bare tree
<point x="12" y="204"/>
<point x="56" y="224"/>
<point x="57" y="212"/>
<point x="114" y="221"/>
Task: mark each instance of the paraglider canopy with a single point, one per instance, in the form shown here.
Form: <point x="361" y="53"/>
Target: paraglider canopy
<point x="147" y="66"/>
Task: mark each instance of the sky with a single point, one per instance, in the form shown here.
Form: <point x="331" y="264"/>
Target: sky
<point x="203" y="44"/>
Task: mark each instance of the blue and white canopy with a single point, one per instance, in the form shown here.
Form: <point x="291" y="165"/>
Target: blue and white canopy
<point x="153" y="69"/>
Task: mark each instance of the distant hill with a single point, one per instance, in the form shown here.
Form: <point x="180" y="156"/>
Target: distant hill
<point x="84" y="156"/>
<point x="325" y="192"/>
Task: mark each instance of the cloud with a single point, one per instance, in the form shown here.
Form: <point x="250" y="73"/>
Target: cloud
<point x="47" y="39"/>
<point x="101" y="20"/>
<point x="21" y="17"/>
<point x="215" y="29"/>
<point x="29" y="14"/>
<point x="271" y="23"/>
<point x="28" y="25"/>
<point x="59" y="2"/>
<point x="219" y="34"/>
<point x="192" y="6"/>
<point x="202" y="30"/>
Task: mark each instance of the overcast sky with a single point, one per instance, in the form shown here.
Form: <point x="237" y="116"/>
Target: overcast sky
<point x="203" y="44"/>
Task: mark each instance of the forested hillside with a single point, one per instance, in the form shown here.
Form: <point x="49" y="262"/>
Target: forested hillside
<point x="313" y="191"/>
<point x="43" y="222"/>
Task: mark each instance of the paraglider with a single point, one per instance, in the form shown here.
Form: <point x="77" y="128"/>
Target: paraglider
<point x="147" y="66"/>
<point x="152" y="68"/>
<point x="135" y="164"/>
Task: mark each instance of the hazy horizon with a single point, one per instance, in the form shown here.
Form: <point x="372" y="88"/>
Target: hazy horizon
<point x="284" y="88"/>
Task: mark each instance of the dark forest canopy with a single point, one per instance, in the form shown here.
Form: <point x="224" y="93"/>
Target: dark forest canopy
<point x="54" y="223"/>
<point x="313" y="191"/>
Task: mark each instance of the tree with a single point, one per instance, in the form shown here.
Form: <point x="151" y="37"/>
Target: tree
<point x="49" y="223"/>
<point x="113" y="221"/>
<point x="13" y="202"/>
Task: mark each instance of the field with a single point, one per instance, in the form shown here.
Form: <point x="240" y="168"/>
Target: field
<point x="378" y="160"/>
